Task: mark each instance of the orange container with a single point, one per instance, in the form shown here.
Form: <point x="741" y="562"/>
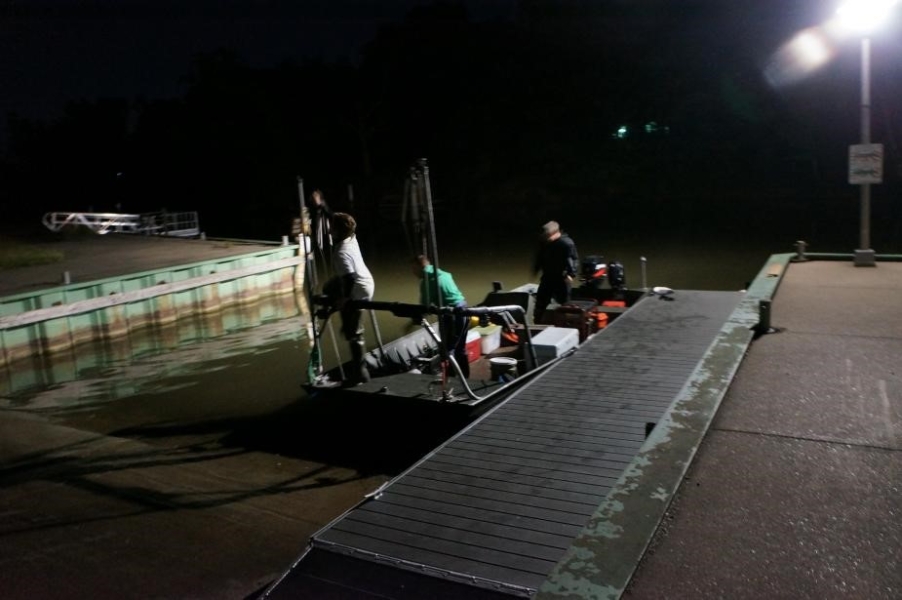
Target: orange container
<point x="601" y="320"/>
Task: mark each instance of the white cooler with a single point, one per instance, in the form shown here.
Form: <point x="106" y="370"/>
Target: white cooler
<point x="489" y="338"/>
<point x="553" y="342"/>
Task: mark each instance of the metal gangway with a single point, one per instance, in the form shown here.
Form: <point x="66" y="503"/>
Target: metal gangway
<point x="173" y="224"/>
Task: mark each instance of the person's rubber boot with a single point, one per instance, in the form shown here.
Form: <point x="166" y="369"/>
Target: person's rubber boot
<point x="361" y="373"/>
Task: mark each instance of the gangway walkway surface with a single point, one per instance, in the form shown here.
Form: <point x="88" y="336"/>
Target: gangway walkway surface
<point x="491" y="512"/>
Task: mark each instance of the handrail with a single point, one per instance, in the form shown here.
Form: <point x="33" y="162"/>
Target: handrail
<point x="419" y="312"/>
<point x="176" y="224"/>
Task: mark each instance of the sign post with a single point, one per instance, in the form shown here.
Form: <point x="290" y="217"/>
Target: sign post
<point x="865" y="168"/>
<point x="865" y="164"/>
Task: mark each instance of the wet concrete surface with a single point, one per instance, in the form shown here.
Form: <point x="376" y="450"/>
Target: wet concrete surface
<point x="114" y="516"/>
<point x="87" y="257"/>
<point x="796" y="491"/>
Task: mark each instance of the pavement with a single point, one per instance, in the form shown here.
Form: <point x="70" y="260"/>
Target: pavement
<point x="92" y="515"/>
<point x="796" y="491"/>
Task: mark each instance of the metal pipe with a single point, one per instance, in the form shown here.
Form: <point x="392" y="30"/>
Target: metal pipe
<point x="377" y="332"/>
<point x="865" y="137"/>
<point x="446" y="396"/>
<point x="420" y="176"/>
<point x="643" y="261"/>
<point x="864" y="256"/>
<point x="406" y="309"/>
<point x="301" y="195"/>
<point x="335" y="348"/>
<point x="430" y="215"/>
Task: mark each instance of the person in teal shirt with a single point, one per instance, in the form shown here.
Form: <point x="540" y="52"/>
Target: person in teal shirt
<point x="452" y="327"/>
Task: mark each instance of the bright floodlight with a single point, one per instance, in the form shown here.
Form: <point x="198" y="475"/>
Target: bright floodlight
<point x="864" y="16"/>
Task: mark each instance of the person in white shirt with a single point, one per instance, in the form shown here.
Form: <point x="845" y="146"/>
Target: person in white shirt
<point x="353" y="281"/>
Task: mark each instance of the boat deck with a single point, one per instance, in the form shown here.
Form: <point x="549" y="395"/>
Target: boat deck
<point x="492" y="511"/>
<point x="420" y="387"/>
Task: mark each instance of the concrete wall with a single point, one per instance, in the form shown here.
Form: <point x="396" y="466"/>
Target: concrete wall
<point x="58" y="319"/>
<point x="262" y="321"/>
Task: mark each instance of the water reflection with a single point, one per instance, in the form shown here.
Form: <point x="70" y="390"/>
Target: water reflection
<point x="152" y="360"/>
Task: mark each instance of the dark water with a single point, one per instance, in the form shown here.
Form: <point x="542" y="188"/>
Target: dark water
<point x="242" y="388"/>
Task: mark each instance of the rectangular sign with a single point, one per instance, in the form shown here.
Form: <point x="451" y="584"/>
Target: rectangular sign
<point x="865" y="163"/>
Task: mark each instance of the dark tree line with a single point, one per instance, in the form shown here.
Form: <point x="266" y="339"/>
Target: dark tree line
<point x="517" y="117"/>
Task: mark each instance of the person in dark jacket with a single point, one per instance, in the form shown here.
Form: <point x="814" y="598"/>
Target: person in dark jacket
<point x="558" y="262"/>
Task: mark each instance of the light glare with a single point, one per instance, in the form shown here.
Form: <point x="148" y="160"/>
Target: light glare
<point x="864" y="16"/>
<point x="811" y="49"/>
<point x="806" y="52"/>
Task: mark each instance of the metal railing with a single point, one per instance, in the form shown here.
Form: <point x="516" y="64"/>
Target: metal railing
<point x="175" y="224"/>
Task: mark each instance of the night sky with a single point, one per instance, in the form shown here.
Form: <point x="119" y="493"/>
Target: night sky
<point x="60" y="50"/>
<point x="55" y="51"/>
<point x="504" y="96"/>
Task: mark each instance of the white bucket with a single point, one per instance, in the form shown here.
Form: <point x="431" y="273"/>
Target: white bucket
<point x="503" y="367"/>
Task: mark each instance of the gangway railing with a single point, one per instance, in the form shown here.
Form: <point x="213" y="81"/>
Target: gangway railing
<point x="176" y="224"/>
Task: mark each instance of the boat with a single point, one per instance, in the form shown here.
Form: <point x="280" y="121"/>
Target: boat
<point x="505" y="347"/>
<point x="507" y="350"/>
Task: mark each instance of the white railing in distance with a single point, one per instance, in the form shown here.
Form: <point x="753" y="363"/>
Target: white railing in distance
<point x="175" y="224"/>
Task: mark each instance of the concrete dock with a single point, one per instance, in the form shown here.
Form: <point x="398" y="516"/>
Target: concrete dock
<point x="88" y="257"/>
<point x="795" y="492"/>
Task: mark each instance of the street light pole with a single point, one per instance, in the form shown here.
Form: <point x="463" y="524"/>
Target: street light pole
<point x="866" y="159"/>
<point x="864" y="255"/>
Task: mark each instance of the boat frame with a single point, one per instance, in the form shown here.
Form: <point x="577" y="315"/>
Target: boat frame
<point x="419" y="366"/>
